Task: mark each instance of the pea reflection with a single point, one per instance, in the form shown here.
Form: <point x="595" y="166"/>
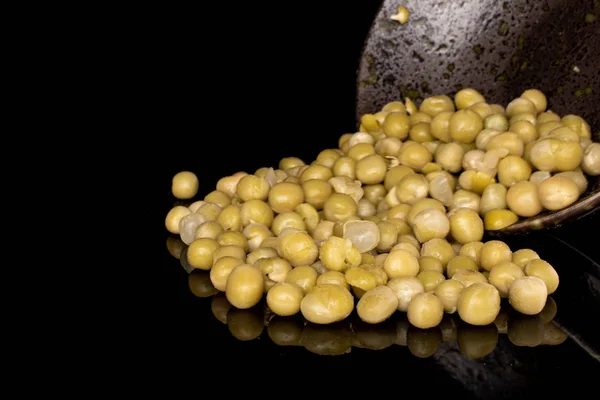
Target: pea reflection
<point x="336" y="339"/>
<point x="525" y="330"/>
<point x="423" y="343"/>
<point x="200" y="284"/>
<point x="184" y="261"/>
<point x="477" y="341"/>
<point x="247" y="324"/>
<point x="175" y="246"/>
<point x="373" y="337"/>
<point x="331" y="340"/>
<point x="285" y="331"/>
<point x="473" y="342"/>
<point x="220" y="306"/>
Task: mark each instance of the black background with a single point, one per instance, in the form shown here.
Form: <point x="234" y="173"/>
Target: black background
<point x="229" y="87"/>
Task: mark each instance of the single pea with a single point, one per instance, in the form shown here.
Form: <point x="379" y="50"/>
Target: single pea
<point x="174" y="217"/>
<point x="475" y="181"/>
<point x="523" y="199"/>
<point x="469" y="277"/>
<point x="221" y="270"/>
<point x="498" y="219"/>
<point x="326" y="304"/>
<point x="208" y="229"/>
<point x="543" y="270"/>
<point x="219" y="198"/>
<point x="464" y="126"/>
<point x="537" y="98"/>
<point x="449" y="156"/>
<point x="448" y="292"/>
<point x="408" y="247"/>
<point x="547" y="116"/>
<point x="184" y="185"/>
<point x="345" y="166"/>
<point x="520" y="105"/>
<point x="526" y="131"/>
<point x="411" y="188"/>
<point x="339" y="206"/>
<point x="509" y="141"/>
<point x="245" y="286"/>
<point x="578" y="124"/>
<point x="493" y="198"/>
<point x="479" y="304"/>
<point x="298" y="248"/>
<point x="374" y="193"/>
<point x="420" y="205"/>
<point x="557" y="192"/>
<point x="497" y="122"/>
<point x="494" y="252"/>
<point x="260" y="253"/>
<point x="420" y="133"/>
<point x="438" y="248"/>
<point x="482" y="109"/>
<point x="528" y="295"/>
<point x="425" y="310"/>
<point x="434" y="105"/>
<point x="284" y="299"/>
<point x="200" y="253"/>
<point x="304" y="276"/>
<point x="503" y="275"/>
<point x="316" y="192"/>
<point x="371" y="170"/>
<point x="440" y="126"/>
<point x="360" y="151"/>
<point x="274" y="268"/>
<point x="388" y="235"/>
<point x="396" y="124"/>
<point x="284" y="197"/>
<point x="465" y="98"/>
<point x="394" y="106"/>
<point x="316" y="171"/>
<point x="460" y="262"/>
<point x="228" y="184"/>
<point x="418" y="117"/>
<point x="377" y="305"/>
<point x="466" y="226"/>
<point x="577" y="177"/>
<point x="401" y="263"/>
<point x="256" y="211"/>
<point x="473" y="250"/>
<point x="431" y="279"/>
<point x="414" y="155"/>
<point x="333" y="278"/>
<point x="523" y="256"/>
<point x="590" y="163"/>
<point x="429" y="263"/>
<point x="429" y="224"/>
<point x="251" y="187"/>
<point x="360" y="278"/>
<point x="287" y="220"/>
<point x="339" y="254"/>
<point x="229" y="251"/>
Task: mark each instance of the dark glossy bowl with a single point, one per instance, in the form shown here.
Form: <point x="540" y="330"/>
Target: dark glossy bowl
<point x="499" y="48"/>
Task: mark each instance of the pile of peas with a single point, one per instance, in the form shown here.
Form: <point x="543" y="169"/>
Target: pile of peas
<point x="395" y="216"/>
